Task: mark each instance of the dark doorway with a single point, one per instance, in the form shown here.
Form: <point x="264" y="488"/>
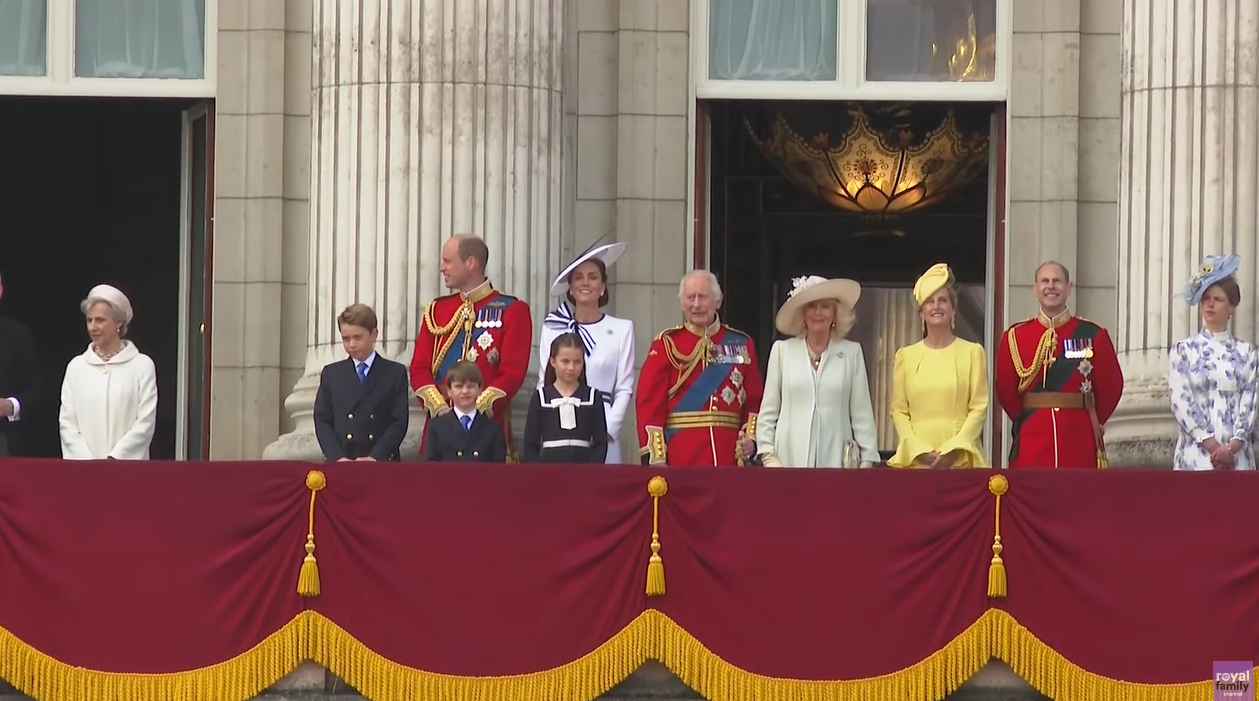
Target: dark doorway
<point x="766" y="226"/>
<point x="90" y="192"/>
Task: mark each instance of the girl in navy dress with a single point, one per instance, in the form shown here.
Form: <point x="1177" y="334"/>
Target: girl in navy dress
<point x="566" y="421"/>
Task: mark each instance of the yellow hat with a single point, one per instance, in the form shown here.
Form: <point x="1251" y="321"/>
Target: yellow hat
<point x="935" y="279"/>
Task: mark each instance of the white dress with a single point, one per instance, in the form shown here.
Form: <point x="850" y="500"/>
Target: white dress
<point x="609" y="346"/>
<point x="1211" y="381"/>
<point x="108" y="407"/>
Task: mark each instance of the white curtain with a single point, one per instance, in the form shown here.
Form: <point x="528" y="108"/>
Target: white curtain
<point x="140" y="39"/>
<point x="772" y="39"/>
<point x="23" y="37"/>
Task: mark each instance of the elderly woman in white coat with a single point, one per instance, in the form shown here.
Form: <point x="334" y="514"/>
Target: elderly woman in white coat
<point x="109" y="395"/>
<point x="816" y="411"/>
<point x="608" y="341"/>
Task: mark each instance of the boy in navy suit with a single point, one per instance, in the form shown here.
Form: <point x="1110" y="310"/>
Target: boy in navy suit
<point x="463" y="434"/>
<point x="361" y="409"/>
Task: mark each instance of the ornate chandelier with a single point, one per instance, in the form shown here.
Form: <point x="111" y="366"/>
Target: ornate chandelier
<point x="875" y="174"/>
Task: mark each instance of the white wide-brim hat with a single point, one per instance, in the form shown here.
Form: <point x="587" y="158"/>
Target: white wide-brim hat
<point x="811" y="289"/>
<point x="608" y="253"/>
<point x="114" y="296"/>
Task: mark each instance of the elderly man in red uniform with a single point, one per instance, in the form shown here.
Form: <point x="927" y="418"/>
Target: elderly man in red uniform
<point x="1058" y="378"/>
<point x="476" y="323"/>
<point x="700" y="387"/>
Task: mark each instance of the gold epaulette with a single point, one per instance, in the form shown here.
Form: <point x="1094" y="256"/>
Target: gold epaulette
<point x="1021" y="322"/>
<point x="669" y="330"/>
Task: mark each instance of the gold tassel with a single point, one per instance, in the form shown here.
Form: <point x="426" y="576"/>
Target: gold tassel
<point x="1102" y="462"/>
<point x="308" y="580"/>
<point x="998" y="485"/>
<point x="656" y="487"/>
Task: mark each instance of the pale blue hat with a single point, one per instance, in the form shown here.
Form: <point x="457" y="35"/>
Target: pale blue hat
<point x="1214" y="269"/>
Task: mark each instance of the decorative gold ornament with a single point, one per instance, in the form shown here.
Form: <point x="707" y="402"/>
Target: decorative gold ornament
<point x="865" y="174"/>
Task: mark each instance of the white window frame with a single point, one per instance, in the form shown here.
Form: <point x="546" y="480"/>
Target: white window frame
<point x="850" y="82"/>
<point x="59" y="78"/>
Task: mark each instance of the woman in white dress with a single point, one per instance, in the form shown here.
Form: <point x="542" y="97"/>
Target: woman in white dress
<point x="608" y="341"/>
<point x="1212" y="377"/>
<point x="109" y="394"/>
<point x="816" y="411"/>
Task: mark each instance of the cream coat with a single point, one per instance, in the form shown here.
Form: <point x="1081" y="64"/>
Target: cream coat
<point x="108" y="408"/>
<point x="785" y="425"/>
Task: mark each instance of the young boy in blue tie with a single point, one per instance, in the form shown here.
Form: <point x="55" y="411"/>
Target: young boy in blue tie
<point x="463" y="434"/>
<point x="361" y="408"/>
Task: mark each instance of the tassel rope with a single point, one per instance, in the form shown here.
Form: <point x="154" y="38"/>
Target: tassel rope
<point x="998" y="485"/>
<point x="308" y="579"/>
<point x="656" y="487"/>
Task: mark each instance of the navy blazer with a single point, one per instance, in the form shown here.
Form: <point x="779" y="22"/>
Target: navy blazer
<point x="447" y="441"/>
<point x="356" y="419"/>
<point x="19" y="373"/>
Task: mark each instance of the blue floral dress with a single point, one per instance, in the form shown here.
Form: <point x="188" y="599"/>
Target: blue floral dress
<point x="1212" y="387"/>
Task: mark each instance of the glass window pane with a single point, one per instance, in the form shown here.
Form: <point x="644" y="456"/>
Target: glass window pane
<point x="23" y="37"/>
<point x="931" y="40"/>
<point x="772" y="39"/>
<point x="139" y="39"/>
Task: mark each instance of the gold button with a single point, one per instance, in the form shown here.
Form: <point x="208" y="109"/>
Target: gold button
<point x="459" y="454"/>
<point x="1056" y="408"/>
<point x="349" y="436"/>
<point x="475" y="454"/>
<point x="350" y="417"/>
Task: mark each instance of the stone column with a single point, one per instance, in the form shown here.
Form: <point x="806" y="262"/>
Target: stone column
<point x="428" y="118"/>
<point x="1187" y="186"/>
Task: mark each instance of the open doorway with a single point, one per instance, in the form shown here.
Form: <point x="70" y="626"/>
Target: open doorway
<point x="100" y="190"/>
<point x="769" y="166"/>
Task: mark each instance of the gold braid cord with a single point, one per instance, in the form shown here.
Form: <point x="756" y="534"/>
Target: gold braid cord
<point x="465" y="314"/>
<point x="1044" y="351"/>
<point x="998" y="485"/>
<point x="656" y="488"/>
<point x="686" y="362"/>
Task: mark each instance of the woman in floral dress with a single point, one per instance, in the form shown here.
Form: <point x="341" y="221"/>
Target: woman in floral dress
<point x="1212" y="378"/>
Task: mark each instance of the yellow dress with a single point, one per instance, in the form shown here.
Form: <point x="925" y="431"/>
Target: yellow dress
<point x="940" y="403"/>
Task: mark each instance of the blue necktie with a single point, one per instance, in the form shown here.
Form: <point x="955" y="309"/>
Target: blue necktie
<point x="362" y="372"/>
<point x="466" y="421"/>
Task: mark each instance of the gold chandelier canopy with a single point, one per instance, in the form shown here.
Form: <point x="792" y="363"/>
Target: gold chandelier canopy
<point x="869" y="173"/>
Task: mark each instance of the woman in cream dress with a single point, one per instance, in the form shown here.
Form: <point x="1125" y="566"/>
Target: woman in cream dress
<point x="816" y="410"/>
<point x="109" y="394"/>
<point x="608" y="341"/>
<point x="939" y="386"/>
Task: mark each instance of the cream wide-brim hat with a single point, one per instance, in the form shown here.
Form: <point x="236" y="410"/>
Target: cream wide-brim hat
<point x="608" y="253"/>
<point x="790" y="319"/>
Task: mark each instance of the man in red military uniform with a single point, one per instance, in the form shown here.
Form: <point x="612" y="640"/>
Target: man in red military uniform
<point x="1058" y="379"/>
<point x="700" y="387"/>
<point x="476" y="323"/>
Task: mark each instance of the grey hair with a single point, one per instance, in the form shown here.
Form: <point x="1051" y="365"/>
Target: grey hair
<point x="115" y="312"/>
<point x="845" y="319"/>
<point x="705" y="274"/>
<point x="1066" y="274"/>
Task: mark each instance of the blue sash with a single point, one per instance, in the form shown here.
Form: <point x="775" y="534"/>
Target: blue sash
<point x="700" y="393"/>
<point x="491" y="312"/>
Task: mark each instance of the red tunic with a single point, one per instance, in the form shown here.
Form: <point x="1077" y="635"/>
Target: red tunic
<point x="695" y="394"/>
<point x="1082" y="361"/>
<point x="484" y="326"/>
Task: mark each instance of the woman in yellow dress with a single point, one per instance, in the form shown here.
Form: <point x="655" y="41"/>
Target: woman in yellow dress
<point x="939" y="386"/>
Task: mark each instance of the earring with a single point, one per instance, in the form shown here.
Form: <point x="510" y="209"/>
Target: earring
<point x="953" y="323"/>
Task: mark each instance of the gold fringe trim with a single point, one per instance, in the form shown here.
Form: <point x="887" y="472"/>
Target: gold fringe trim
<point x="656" y="487"/>
<point x="652" y="635"/>
<point x="998" y="485"/>
<point x="308" y="577"/>
<point x="42" y="677"/>
<point x="1062" y="680"/>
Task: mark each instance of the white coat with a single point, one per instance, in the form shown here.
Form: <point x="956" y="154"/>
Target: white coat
<point x="108" y="408"/>
<point x="806" y="421"/>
